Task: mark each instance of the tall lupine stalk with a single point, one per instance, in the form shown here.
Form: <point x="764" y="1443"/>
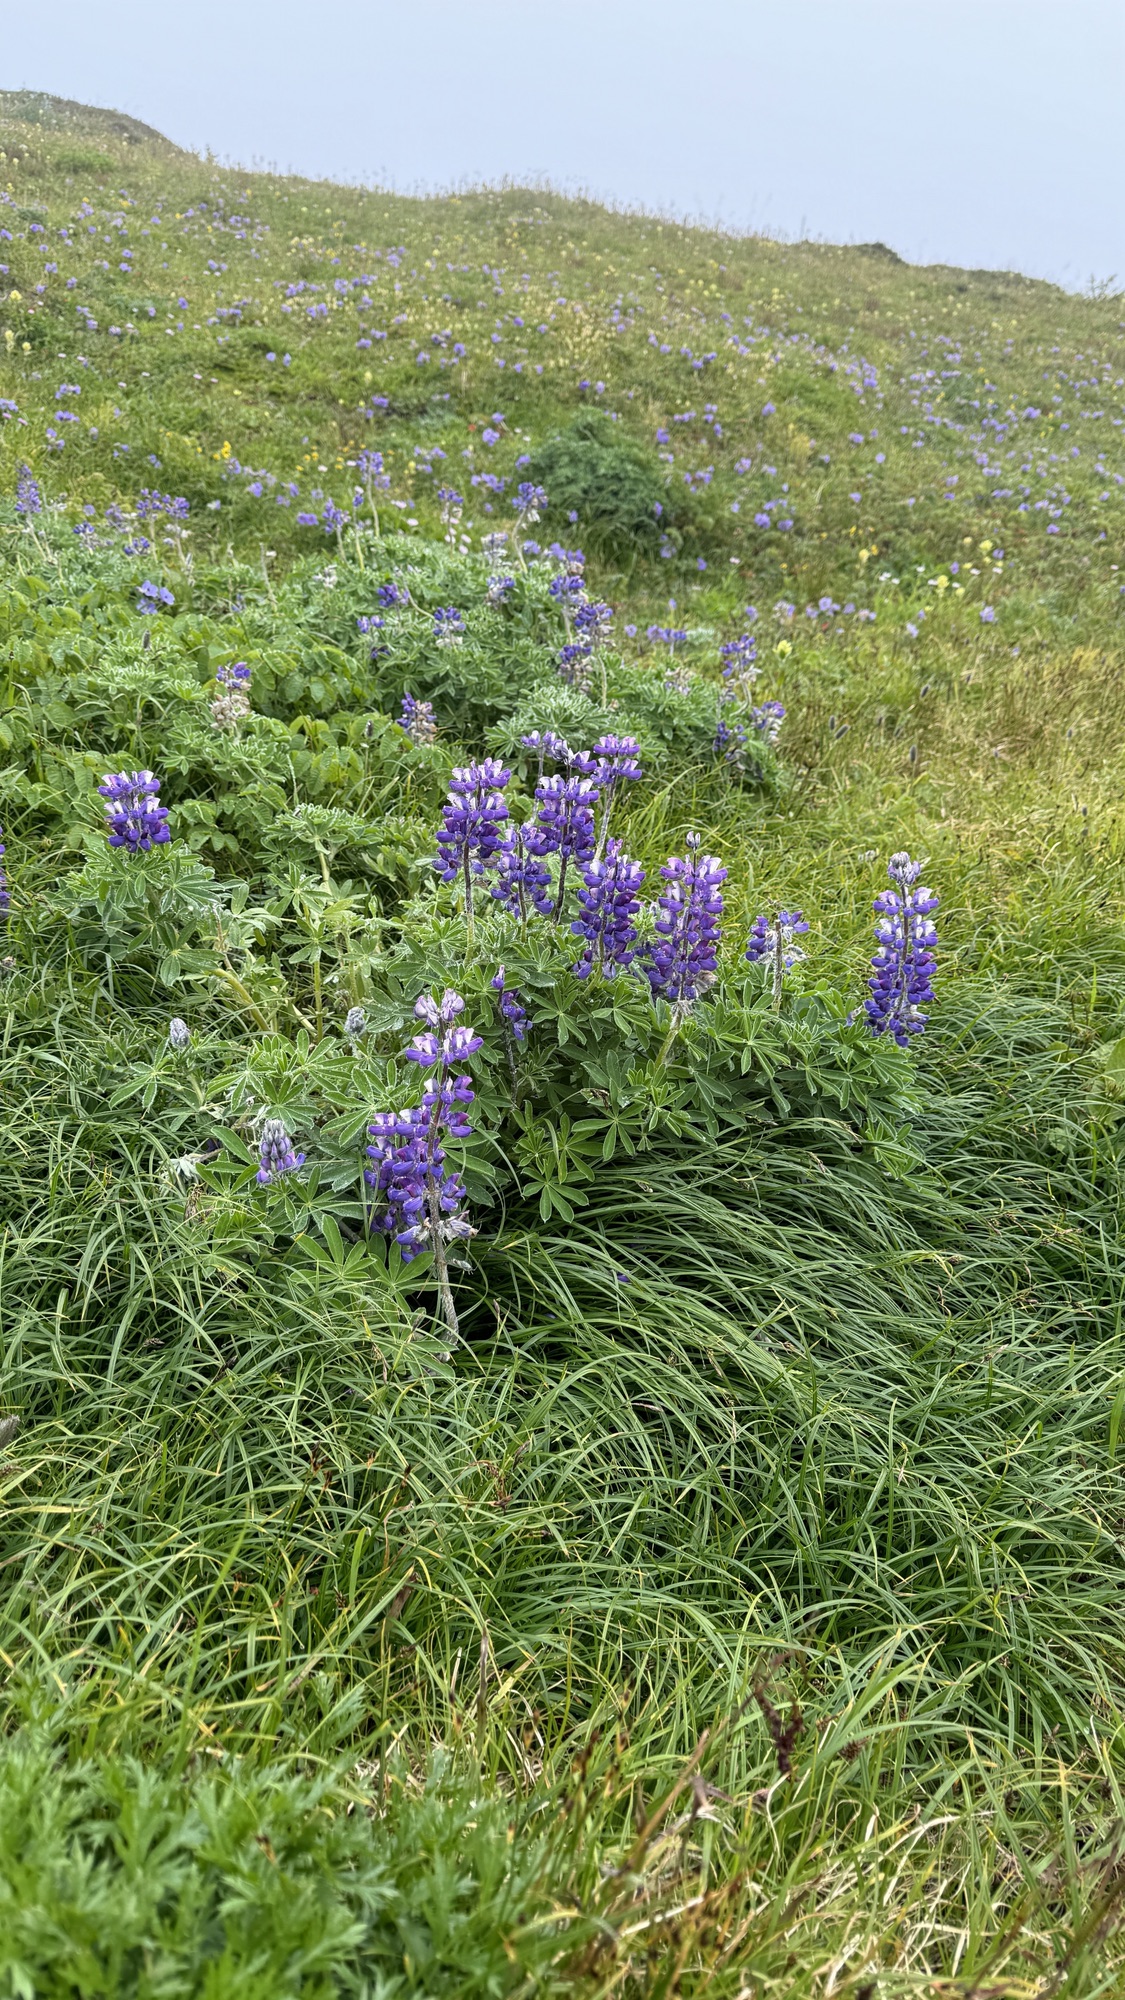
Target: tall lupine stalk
<point x="469" y="835"/>
<point x="564" y="824"/>
<point x="902" y="968"/>
<point x="528" y="501"/>
<point x="5" y="893"/>
<point x="683" y="962"/>
<point x="523" y="878"/>
<point x="774" y="942"/>
<point x="607" y="918"/>
<point x="420" y="1197"/>
<point x="370" y="464"/>
<point x="617" y="761"/>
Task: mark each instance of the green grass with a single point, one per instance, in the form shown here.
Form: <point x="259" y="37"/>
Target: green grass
<point x="739" y="1611"/>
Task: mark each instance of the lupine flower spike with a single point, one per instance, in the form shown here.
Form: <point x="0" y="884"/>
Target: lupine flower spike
<point x="523" y="878"/>
<point x="903" y="965"/>
<point x="607" y="918"/>
<point x="137" y="820"/>
<point x="775" y="943"/>
<point x="564" y="824"/>
<point x="682" y="963"/>
<point x="417" y="719"/>
<point x="469" y="835"/>
<point x="232" y="704"/>
<point x="618" y="761"/>
<point x="5" y="896"/>
<point x="275" y="1154"/>
<point x="29" y="499"/>
<point x="421" y="1200"/>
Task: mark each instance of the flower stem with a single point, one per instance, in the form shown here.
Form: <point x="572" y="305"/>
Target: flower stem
<point x="679" y="1015"/>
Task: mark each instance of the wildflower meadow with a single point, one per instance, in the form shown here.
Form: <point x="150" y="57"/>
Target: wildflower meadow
<point x="563" y="1001"/>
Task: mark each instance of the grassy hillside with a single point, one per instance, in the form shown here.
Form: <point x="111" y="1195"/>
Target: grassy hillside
<point x="715" y="1585"/>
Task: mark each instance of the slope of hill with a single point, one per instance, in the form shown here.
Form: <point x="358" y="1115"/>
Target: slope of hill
<point x="678" y="1551"/>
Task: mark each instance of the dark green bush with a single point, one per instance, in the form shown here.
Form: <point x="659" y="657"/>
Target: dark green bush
<point x="614" y="485"/>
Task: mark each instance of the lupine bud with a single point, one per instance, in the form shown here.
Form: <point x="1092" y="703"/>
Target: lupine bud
<point x="179" y="1034"/>
<point x="276" y="1154"/>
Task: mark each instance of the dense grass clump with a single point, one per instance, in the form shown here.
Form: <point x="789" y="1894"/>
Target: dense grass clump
<point x="706" y="1574"/>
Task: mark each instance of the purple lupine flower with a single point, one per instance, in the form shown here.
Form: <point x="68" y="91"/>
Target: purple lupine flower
<point x="528" y="502"/>
<point x="449" y="626"/>
<point x="608" y="907"/>
<point x="569" y="592"/>
<point x="417" y="719"/>
<point x="522" y="878"/>
<point x="443" y="1041"/>
<point x="775" y="942"/>
<point x="683" y="961"/>
<point x="152" y="595"/>
<point x="511" y="1006"/>
<point x="616" y="760"/>
<point x="136" y="819"/>
<point x="766" y="720"/>
<point x="738" y="657"/>
<point x="903" y="964"/>
<point x="469" y="834"/>
<point x="232" y="704"/>
<point x="420" y="1197"/>
<point x="729" y="741"/>
<point x="500" y="589"/>
<point x="275" y="1153"/>
<point x="29" y="498"/>
<point x="370" y="468"/>
<point x="5" y="894"/>
<point x="667" y="635"/>
<point x="593" y="619"/>
<point x="564" y="824"/>
<point x="403" y="1164"/>
<point x="574" y="664"/>
<point x="150" y="501"/>
<point x="547" y="743"/>
<point x="392" y="595"/>
<point x="334" y="518"/>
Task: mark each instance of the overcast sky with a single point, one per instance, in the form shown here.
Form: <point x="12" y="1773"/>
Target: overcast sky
<point x="977" y="132"/>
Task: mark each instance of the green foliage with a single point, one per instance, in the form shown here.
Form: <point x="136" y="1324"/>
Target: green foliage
<point x="613" y="486"/>
<point x="738" y="1606"/>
